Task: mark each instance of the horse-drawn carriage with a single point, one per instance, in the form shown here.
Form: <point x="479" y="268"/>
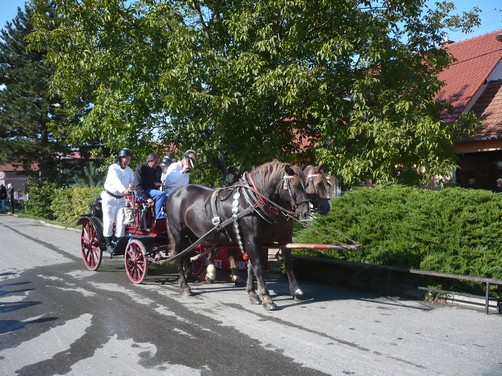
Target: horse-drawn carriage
<point x="145" y="242"/>
<point x="243" y="219"/>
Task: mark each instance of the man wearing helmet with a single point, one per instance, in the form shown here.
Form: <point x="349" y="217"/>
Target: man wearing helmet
<point x="178" y="173"/>
<point x="118" y="183"/>
<point x="164" y="164"/>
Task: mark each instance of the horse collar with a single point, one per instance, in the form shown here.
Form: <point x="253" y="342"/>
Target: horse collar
<point x="256" y="189"/>
<point x="256" y="200"/>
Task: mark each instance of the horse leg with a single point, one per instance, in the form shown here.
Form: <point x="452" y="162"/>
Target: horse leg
<point x="254" y="267"/>
<point x="234" y="273"/>
<point x="185" y="289"/>
<point x="295" y="290"/>
<point x="253" y="296"/>
<point x="210" y="269"/>
<point x="175" y="239"/>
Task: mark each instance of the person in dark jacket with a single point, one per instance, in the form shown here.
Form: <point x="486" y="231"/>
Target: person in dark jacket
<point x="10" y="197"/>
<point x="3" y="198"/>
<point x="147" y="183"/>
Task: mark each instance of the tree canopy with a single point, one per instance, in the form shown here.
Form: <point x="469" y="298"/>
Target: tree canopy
<point x="249" y="79"/>
<point x="26" y="107"/>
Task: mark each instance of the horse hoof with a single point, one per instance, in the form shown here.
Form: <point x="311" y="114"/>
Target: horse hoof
<point x="271" y="306"/>
<point x="255" y="301"/>
<point x="210" y="273"/>
<point x="186" y="292"/>
<point x="298" y="295"/>
<point x="238" y="281"/>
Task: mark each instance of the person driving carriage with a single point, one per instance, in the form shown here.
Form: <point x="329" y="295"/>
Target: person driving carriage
<point x="147" y="184"/>
<point x="118" y="183"/>
<point x="178" y="173"/>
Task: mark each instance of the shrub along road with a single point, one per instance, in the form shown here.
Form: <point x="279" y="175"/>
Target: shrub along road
<point x="58" y="318"/>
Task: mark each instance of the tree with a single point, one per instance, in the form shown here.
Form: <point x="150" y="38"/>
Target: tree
<point x="26" y="109"/>
<point x="247" y="78"/>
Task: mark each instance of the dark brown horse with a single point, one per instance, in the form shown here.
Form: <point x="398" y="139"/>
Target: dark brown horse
<point x="258" y="210"/>
<point x="318" y="189"/>
<point x="317" y="186"/>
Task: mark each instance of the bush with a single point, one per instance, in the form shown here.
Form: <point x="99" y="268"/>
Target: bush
<point x="71" y="203"/>
<point x="41" y="195"/>
<point x="454" y="230"/>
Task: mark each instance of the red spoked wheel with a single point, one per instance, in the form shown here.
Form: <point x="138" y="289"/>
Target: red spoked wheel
<point x="135" y="261"/>
<point x="89" y="242"/>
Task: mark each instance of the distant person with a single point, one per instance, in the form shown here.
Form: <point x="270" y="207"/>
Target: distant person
<point x="471" y="183"/>
<point x="498" y="187"/>
<point x="3" y="198"/>
<point x="10" y="197"/>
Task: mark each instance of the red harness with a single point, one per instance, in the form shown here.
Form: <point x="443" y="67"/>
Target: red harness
<point x="270" y="210"/>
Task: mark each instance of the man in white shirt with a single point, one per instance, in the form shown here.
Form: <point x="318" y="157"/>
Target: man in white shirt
<point x="118" y="183"/>
<point x="178" y="173"/>
<point x="164" y="164"/>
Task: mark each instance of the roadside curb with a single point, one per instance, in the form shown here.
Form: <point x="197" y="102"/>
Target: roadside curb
<point x="41" y="221"/>
<point x="57" y="226"/>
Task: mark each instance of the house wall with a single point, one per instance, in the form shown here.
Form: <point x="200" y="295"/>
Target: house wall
<point x="496" y="74"/>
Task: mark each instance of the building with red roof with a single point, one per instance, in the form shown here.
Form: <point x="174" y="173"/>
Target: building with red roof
<point x="473" y="82"/>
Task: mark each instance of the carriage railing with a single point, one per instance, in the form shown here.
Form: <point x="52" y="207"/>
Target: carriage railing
<point x="141" y="214"/>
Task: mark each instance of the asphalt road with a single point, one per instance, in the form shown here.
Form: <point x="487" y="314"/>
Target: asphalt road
<point x="58" y="318"/>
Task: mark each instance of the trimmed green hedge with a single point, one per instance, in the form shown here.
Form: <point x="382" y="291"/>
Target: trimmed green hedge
<point x="64" y="205"/>
<point x="454" y="230"/>
<point x="71" y="203"/>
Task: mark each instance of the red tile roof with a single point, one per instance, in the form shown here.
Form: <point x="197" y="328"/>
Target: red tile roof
<point x="475" y="60"/>
<point x="488" y="108"/>
<point x="17" y="167"/>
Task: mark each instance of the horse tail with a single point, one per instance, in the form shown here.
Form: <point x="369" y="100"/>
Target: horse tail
<point x="171" y="241"/>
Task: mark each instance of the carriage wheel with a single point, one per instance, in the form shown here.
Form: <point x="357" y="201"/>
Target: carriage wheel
<point x="89" y="242"/>
<point x="135" y="261"/>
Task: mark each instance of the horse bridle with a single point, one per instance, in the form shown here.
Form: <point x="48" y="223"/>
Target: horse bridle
<point x="310" y="180"/>
<point x="269" y="208"/>
<point x="287" y="185"/>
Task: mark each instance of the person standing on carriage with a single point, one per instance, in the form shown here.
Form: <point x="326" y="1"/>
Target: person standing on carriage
<point x="147" y="184"/>
<point x="178" y="173"/>
<point x="118" y="183"/>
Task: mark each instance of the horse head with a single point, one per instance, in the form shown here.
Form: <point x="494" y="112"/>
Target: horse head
<point x="317" y="186"/>
<point x="284" y="185"/>
<point x="293" y="191"/>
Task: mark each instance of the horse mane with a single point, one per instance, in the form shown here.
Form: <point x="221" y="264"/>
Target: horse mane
<point x="274" y="171"/>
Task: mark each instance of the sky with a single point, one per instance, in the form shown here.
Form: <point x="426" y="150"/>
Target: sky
<point x="491" y="16"/>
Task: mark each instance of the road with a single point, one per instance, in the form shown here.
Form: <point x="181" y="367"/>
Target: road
<point x="58" y="318"/>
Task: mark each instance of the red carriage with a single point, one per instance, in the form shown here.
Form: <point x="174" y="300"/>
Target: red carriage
<point x="146" y="242"/>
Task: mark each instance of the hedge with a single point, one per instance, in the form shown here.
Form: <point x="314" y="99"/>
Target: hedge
<point x="63" y="205"/>
<point x="454" y="230"/>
